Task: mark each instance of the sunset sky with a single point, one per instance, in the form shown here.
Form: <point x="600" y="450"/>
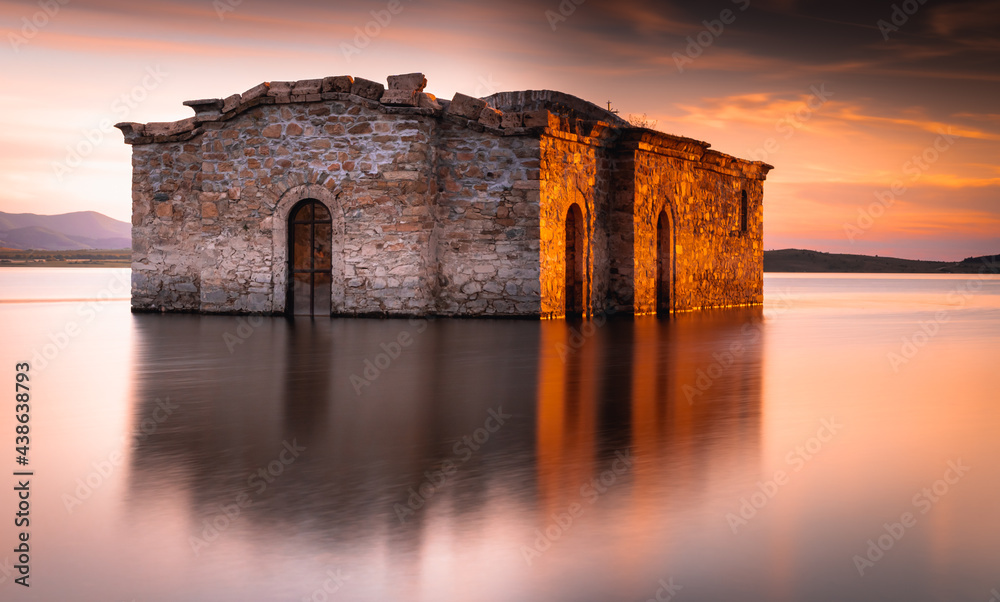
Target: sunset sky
<point x="813" y="88"/>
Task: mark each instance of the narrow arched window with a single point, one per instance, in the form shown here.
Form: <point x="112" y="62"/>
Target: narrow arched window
<point x="744" y="213"/>
<point x="664" y="263"/>
<point x="575" y="273"/>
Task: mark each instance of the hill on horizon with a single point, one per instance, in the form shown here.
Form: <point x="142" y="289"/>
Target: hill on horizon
<point x="801" y="260"/>
<point x="77" y="231"/>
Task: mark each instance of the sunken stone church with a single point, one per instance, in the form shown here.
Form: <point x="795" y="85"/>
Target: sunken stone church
<point x="339" y="196"/>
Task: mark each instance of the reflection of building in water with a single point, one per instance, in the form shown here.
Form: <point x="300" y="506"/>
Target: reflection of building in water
<point x="292" y="381"/>
<point x="574" y="404"/>
<point x="681" y="397"/>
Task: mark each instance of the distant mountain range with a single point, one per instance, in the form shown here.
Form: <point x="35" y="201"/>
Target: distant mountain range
<point x="82" y="230"/>
<point x="799" y="260"/>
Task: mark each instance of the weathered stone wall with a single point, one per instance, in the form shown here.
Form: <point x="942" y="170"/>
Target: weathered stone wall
<point x="487" y="235"/>
<point x="714" y="264"/>
<point x="433" y="211"/>
<point x="165" y="214"/>
<point x="217" y="232"/>
<point x="622" y="183"/>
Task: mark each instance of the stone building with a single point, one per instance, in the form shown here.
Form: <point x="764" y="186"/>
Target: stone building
<point x="339" y="196"/>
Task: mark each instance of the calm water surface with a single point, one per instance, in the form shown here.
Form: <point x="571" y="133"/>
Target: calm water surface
<point x="754" y="454"/>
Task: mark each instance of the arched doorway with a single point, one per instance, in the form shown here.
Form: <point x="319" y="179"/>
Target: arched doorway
<point x="664" y="263"/>
<point x="310" y="259"/>
<point x="574" y="261"/>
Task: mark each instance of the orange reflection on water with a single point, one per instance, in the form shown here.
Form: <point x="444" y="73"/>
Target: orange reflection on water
<point x="566" y="416"/>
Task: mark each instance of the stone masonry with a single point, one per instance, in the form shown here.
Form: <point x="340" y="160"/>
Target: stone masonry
<point x="450" y="208"/>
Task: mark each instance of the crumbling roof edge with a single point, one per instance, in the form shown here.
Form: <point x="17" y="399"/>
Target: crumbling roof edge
<point x="515" y="113"/>
<point x="404" y="94"/>
<point x="555" y="101"/>
<point x="696" y="150"/>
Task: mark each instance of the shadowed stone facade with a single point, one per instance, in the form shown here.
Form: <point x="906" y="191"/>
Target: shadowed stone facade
<point x="341" y="196"/>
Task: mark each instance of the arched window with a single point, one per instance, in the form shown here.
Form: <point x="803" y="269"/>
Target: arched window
<point x="310" y="259"/>
<point x="664" y="263"/>
<point x="744" y="213"/>
<point x="574" y="261"/>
